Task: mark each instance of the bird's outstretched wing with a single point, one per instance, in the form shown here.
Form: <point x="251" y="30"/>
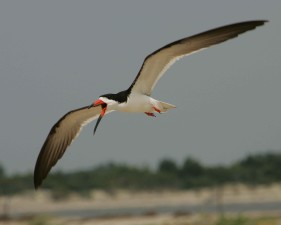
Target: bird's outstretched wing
<point x="155" y="64"/>
<point x="60" y="137"/>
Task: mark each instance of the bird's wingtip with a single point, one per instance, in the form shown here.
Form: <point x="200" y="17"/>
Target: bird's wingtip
<point x="36" y="186"/>
<point x="264" y="21"/>
<point x="36" y="182"/>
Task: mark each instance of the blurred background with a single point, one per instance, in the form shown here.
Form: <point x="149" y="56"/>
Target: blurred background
<point x="218" y="152"/>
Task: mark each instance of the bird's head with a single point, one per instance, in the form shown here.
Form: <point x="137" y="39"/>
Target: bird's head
<point x="103" y="101"/>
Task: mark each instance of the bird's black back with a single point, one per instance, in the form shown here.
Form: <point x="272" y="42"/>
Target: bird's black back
<point x="119" y="97"/>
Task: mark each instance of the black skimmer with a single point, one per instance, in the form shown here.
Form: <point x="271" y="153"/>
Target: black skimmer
<point x="137" y="98"/>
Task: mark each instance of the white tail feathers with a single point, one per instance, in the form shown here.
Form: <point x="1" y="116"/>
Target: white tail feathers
<point x="164" y="106"/>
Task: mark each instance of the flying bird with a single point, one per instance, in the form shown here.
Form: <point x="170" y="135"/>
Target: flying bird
<point x="137" y="98"/>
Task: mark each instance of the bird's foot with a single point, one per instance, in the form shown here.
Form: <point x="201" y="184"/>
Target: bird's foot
<point x="157" y="110"/>
<point x="150" y="114"/>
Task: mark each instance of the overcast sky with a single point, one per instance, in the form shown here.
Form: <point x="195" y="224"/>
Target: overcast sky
<point x="56" y="56"/>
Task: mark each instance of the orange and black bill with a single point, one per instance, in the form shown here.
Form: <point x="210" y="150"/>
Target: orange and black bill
<point x="103" y="106"/>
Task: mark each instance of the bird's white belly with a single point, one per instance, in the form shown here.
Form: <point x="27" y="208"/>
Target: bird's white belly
<point x="136" y="103"/>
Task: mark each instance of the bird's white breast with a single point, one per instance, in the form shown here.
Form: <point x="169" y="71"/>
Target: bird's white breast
<point x="136" y="103"/>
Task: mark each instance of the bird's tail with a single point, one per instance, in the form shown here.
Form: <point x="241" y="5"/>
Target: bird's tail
<point x="164" y="106"/>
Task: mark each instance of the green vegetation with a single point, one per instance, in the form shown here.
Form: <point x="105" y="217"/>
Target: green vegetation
<point x="191" y="174"/>
<point x="40" y="220"/>
<point x="242" y="220"/>
<point x="205" y="219"/>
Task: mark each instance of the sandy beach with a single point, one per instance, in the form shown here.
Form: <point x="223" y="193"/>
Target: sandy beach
<point x="39" y="205"/>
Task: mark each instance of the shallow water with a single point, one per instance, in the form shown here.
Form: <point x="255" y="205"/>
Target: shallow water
<point x="176" y="210"/>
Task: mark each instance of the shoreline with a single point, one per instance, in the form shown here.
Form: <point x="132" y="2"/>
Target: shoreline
<point x="41" y="201"/>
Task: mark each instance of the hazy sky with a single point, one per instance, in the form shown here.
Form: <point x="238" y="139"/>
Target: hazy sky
<point x="56" y="56"/>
